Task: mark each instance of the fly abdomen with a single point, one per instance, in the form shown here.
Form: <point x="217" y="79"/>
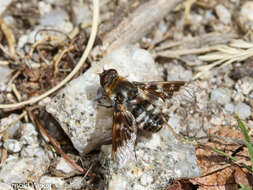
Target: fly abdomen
<point x="154" y="123"/>
<point x="148" y="117"/>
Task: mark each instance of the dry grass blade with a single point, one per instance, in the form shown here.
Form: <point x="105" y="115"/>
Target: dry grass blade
<point x="237" y="50"/>
<point x="9" y="36"/>
<point x="58" y="147"/>
<point x="4" y="151"/>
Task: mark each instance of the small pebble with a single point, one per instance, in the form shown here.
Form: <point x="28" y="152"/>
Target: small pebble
<point x="221" y="96"/>
<point x="81" y="13"/>
<point x="229" y="108"/>
<point x="245" y="85"/>
<point x="3" y="5"/>
<point x="223" y="14"/>
<point x="5" y="186"/>
<point x="53" y="182"/>
<point x="12" y="145"/>
<point x="5" y="72"/>
<point x="64" y="166"/>
<point x="242" y="110"/>
<point x="57" y="19"/>
<point x="246" y="16"/>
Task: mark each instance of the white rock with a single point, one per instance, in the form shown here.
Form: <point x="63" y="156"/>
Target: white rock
<point x="118" y="182"/>
<point x="57" y="182"/>
<point x="18" y="170"/>
<point x="3" y="5"/>
<point x="12" y="145"/>
<point x="75" y="107"/>
<point x="5" y="186"/>
<point x="64" y="167"/>
<point x="245" y="85"/>
<point x="146" y="180"/>
<point x="81" y="12"/>
<point x="154" y="168"/>
<point x="177" y="72"/>
<point x="12" y="129"/>
<point x="238" y="96"/>
<point x="5" y="72"/>
<point x="44" y="8"/>
<point x="217" y="120"/>
<point x="76" y="183"/>
<point x="34" y="151"/>
<point x="58" y="2"/>
<point x="246" y="16"/>
<point x="23" y="39"/>
<point x="247" y="9"/>
<point x="221" y="95"/>
<point x="223" y="14"/>
<point x="242" y="110"/>
<point x="57" y="19"/>
<point x="29" y="135"/>
<point x="229" y="107"/>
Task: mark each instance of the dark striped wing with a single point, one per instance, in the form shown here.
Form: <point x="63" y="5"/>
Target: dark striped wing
<point x="164" y="90"/>
<point x="123" y="136"/>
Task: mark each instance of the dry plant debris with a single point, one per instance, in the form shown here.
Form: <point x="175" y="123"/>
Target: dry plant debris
<point x="206" y="42"/>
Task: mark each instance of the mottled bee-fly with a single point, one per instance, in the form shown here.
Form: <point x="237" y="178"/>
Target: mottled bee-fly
<point x="137" y="106"/>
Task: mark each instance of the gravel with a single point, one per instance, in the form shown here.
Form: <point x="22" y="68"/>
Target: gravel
<point x="242" y="110"/>
<point x="223" y="14"/>
<point x="12" y="145"/>
<point x="221" y="95"/>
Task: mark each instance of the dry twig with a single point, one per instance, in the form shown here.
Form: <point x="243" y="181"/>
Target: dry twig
<point x="9" y="36"/>
<point x="4" y="151"/>
<point x="74" y="71"/>
<point x="137" y="24"/>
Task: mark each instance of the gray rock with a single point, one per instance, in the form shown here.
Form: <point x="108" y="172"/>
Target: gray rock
<point x="158" y="161"/>
<point x="44" y="7"/>
<point x="242" y="110"/>
<point x="245" y="85"/>
<point x="5" y="72"/>
<point x="34" y="151"/>
<point x="75" y="107"/>
<point x="53" y="182"/>
<point x="238" y="96"/>
<point x="223" y="14"/>
<point x="29" y="135"/>
<point x="5" y="186"/>
<point x="4" y="5"/>
<point x="229" y="108"/>
<point x="81" y="12"/>
<point x="177" y="72"/>
<point x="12" y="145"/>
<point x="17" y="170"/>
<point x="57" y="19"/>
<point x="63" y="168"/>
<point x="246" y="16"/>
<point x="221" y="95"/>
<point x="11" y="124"/>
<point x="76" y="183"/>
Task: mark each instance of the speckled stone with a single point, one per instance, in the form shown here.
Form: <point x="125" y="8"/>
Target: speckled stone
<point x="75" y="107"/>
<point x="221" y="95"/>
<point x="159" y="160"/>
<point x="242" y="110"/>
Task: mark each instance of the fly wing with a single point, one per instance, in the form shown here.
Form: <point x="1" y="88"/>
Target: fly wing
<point x="123" y="136"/>
<point x="164" y="90"/>
<point x="151" y="98"/>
